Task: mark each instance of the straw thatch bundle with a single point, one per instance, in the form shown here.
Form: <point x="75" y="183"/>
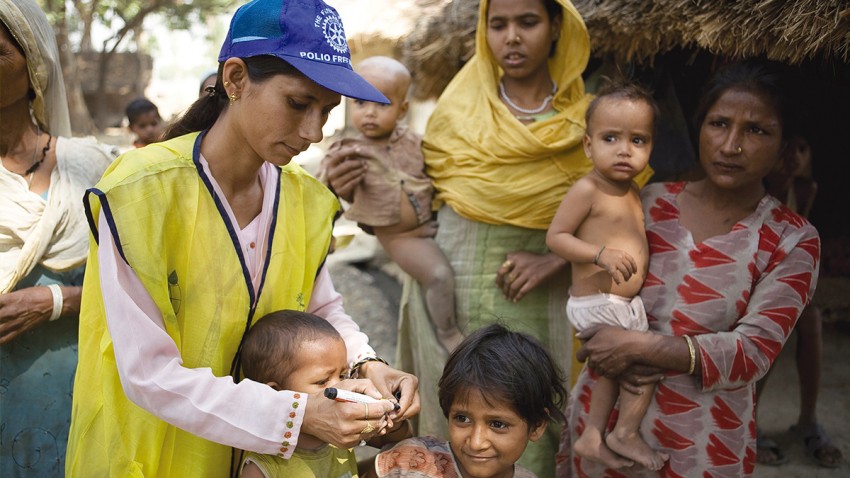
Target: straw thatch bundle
<point x="791" y="31"/>
<point x="440" y="44"/>
<point x="788" y="31"/>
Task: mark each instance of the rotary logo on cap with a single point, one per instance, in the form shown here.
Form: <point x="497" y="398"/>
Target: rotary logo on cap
<point x="331" y="26"/>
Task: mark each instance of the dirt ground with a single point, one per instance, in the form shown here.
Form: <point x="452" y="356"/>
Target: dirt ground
<point x="781" y="402"/>
<point x="371" y="296"/>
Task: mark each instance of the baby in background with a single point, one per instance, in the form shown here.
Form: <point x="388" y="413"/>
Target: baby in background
<point x="144" y="121"/>
<point x="499" y="390"/>
<point x="395" y="194"/>
<point x="599" y="228"/>
<point x="299" y="351"/>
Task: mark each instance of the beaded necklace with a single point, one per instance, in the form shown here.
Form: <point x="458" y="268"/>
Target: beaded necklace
<point x="532" y="111"/>
<point x="31" y="171"/>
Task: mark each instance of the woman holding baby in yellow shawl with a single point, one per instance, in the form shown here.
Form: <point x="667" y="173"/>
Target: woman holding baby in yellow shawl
<point x="503" y="146"/>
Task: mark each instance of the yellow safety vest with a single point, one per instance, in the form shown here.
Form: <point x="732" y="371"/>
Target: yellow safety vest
<point x="170" y="227"/>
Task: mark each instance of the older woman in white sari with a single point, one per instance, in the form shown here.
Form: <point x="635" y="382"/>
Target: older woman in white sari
<point x="43" y="243"/>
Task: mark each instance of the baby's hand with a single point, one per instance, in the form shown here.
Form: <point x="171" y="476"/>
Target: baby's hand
<point x="619" y="264"/>
<point x="343" y="169"/>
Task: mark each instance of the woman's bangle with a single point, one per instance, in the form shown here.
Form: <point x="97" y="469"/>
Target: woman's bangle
<point x="598" y="254"/>
<point x="58" y="301"/>
<point x="356" y="367"/>
<point x="693" y="354"/>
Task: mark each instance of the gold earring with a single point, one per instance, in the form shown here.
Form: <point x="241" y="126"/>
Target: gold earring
<point x="226" y="84"/>
<point x="233" y="98"/>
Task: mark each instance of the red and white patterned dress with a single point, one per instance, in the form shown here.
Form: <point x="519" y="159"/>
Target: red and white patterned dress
<point x="739" y="295"/>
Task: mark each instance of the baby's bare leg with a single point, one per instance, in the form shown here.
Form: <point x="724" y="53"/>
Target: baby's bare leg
<point x="625" y="439"/>
<point x="422" y="258"/>
<point x="591" y="444"/>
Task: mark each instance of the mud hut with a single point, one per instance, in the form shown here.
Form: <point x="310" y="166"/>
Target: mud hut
<point x="674" y="45"/>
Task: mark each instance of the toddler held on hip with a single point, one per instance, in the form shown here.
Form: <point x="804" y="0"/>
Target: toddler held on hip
<point x="393" y="200"/>
<point x="599" y="228"/>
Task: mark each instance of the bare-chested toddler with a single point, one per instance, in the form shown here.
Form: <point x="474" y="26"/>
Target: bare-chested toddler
<point x="599" y="228"/>
<point x="394" y="197"/>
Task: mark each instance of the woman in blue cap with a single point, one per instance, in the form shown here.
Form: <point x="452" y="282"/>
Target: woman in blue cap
<point x="193" y="239"/>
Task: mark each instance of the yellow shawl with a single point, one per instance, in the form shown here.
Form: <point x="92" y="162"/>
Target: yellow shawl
<point x="487" y="165"/>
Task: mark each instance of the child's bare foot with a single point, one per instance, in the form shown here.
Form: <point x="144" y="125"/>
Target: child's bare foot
<point x="450" y="338"/>
<point x="632" y="446"/>
<point x="591" y="446"/>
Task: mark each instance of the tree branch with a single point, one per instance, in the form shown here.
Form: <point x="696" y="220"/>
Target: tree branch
<point x="135" y="22"/>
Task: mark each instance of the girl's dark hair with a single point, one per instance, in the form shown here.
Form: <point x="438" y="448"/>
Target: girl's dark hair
<point x="766" y="78"/>
<point x="507" y="366"/>
<point x="270" y="350"/>
<point x="206" y="109"/>
<point x="622" y="89"/>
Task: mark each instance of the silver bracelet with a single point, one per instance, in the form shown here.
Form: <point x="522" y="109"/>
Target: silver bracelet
<point x="58" y="301"/>
<point x="598" y="254"/>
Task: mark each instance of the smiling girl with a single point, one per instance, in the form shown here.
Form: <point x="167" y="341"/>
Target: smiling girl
<point x="499" y="391"/>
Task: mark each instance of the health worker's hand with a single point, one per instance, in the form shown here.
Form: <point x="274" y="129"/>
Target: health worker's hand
<point x="346" y="424"/>
<point x="394" y="383"/>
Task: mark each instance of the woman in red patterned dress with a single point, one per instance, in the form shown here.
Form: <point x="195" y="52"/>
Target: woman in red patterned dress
<point x="730" y="270"/>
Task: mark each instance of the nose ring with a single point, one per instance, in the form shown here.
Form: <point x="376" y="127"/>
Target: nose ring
<point x="516" y="38"/>
<point x="739" y="150"/>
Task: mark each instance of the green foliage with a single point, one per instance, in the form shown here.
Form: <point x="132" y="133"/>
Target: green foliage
<point x="123" y="17"/>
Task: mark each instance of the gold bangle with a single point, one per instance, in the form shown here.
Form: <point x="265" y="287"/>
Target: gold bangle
<point x="693" y="353"/>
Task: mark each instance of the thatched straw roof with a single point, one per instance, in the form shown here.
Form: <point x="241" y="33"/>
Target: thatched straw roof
<point x="439" y="45"/>
<point x="791" y="31"/>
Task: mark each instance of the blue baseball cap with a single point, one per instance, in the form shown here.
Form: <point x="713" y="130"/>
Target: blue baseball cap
<point x="307" y="34"/>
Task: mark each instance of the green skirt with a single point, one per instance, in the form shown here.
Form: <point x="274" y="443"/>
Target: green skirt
<point x="476" y="251"/>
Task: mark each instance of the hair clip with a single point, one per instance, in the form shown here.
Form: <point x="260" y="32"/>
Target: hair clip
<point x="210" y="90"/>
